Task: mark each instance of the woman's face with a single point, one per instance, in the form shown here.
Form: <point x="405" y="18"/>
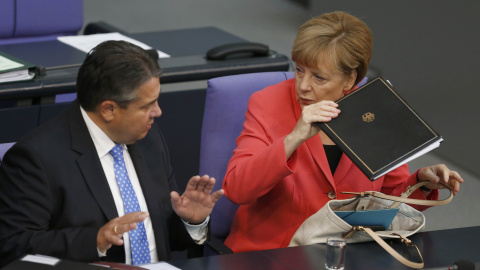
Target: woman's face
<point x="323" y="83"/>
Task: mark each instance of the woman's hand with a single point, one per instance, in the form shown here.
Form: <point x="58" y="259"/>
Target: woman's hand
<point x="440" y="174"/>
<point x="323" y="111"/>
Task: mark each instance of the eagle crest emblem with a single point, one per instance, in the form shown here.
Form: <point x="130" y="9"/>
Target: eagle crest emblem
<point x="368" y="117"/>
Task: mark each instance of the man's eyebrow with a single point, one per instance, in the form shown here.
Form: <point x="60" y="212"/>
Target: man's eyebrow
<point x="150" y="103"/>
<point x="154" y="100"/>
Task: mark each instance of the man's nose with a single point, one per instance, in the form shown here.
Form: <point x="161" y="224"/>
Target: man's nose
<point x="156" y="112"/>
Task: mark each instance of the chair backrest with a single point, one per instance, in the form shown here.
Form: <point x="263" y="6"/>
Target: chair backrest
<point x="225" y="106"/>
<point x="17" y="121"/>
<point x="32" y="20"/>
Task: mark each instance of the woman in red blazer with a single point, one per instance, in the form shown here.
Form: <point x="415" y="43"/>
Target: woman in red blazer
<point x="285" y="168"/>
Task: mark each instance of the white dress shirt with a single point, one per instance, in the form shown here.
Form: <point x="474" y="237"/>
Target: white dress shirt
<point x="103" y="145"/>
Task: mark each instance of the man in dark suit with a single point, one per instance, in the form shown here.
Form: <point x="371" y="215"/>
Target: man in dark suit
<point x="59" y="194"/>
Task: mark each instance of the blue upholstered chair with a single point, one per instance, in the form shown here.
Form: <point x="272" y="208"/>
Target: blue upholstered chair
<point x="15" y="123"/>
<point x="4" y="148"/>
<point x="225" y="107"/>
<point x="32" y="20"/>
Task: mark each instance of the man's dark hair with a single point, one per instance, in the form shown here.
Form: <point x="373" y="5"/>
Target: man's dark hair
<point x="113" y="71"/>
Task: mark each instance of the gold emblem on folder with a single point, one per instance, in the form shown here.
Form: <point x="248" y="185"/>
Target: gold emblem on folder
<point x="368" y="117"/>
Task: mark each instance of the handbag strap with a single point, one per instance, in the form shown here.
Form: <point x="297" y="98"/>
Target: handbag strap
<point x="404" y="197"/>
<point x="388" y="248"/>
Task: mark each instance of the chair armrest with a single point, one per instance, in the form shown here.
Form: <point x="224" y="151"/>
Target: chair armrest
<point x="101" y="27"/>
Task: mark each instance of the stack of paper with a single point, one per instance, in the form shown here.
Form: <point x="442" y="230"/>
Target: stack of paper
<point x="12" y="69"/>
<point x="85" y="43"/>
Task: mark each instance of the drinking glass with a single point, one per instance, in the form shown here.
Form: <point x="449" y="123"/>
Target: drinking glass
<point x="335" y="253"/>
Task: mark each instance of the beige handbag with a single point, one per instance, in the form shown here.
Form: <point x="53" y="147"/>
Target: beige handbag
<point x="408" y="221"/>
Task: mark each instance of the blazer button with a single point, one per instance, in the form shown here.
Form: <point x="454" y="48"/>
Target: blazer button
<point x="331" y="195"/>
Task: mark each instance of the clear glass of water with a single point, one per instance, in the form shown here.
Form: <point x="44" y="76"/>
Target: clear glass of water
<point x="335" y="259"/>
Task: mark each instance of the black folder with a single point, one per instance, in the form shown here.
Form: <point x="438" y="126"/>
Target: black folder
<point x="378" y="130"/>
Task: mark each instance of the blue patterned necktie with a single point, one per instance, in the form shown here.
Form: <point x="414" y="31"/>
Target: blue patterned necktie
<point x="138" y="237"/>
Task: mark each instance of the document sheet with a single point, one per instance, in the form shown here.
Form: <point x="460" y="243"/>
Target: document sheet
<point x="87" y="42"/>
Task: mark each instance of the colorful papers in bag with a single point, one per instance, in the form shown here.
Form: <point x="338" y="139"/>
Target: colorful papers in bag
<point x="373" y="217"/>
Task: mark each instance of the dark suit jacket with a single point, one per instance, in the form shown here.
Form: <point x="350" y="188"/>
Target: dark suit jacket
<point x="54" y="196"/>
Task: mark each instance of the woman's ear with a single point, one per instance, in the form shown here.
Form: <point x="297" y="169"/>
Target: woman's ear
<point x="349" y="84"/>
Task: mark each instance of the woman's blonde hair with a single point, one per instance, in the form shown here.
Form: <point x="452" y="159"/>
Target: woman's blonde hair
<point x="338" y="37"/>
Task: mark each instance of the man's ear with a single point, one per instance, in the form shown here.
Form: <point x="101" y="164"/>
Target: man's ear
<point x="107" y="110"/>
<point x="350" y="81"/>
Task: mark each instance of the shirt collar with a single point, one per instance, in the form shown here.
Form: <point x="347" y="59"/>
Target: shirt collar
<point x="102" y="142"/>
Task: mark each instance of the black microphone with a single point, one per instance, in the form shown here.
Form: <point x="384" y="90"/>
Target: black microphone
<point x="459" y="265"/>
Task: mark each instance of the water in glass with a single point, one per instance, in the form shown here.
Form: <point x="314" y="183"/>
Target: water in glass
<point x="335" y="254"/>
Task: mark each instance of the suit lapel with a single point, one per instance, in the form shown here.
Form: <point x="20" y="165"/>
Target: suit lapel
<point x="144" y="177"/>
<point x="89" y="163"/>
<point x="151" y="195"/>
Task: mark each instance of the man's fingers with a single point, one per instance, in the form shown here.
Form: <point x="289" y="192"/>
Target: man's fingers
<point x="175" y="198"/>
<point x="209" y="186"/>
<point x="193" y="182"/>
<point x="217" y="195"/>
<point x="202" y="183"/>
<point x="112" y="232"/>
<point x="134" y="217"/>
<point x="120" y="229"/>
<point x="128" y="222"/>
<point x="116" y="240"/>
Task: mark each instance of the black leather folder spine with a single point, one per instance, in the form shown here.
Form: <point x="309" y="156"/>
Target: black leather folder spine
<point x="377" y="129"/>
